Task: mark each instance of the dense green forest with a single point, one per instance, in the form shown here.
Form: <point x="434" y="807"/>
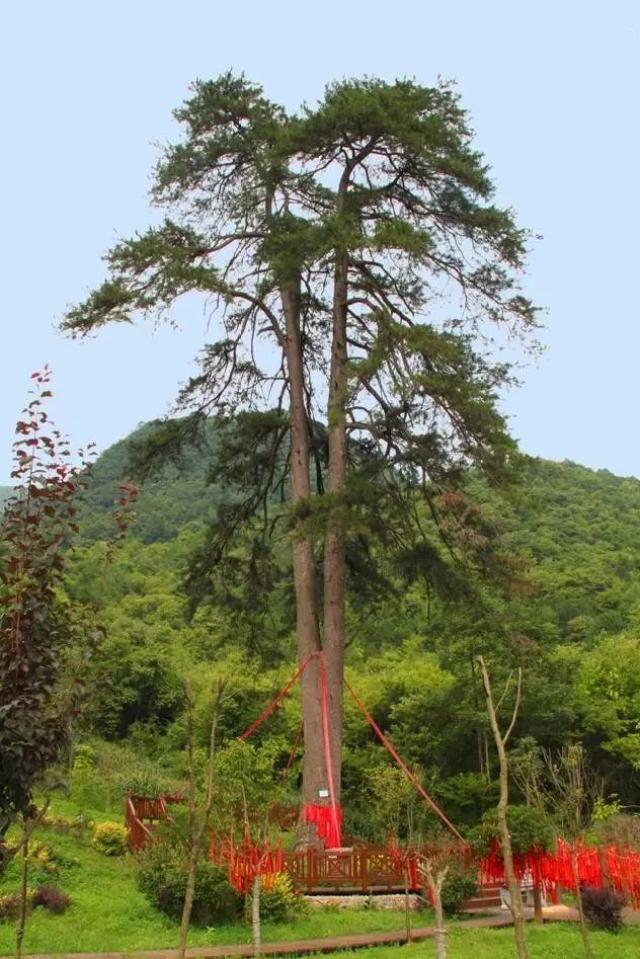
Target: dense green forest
<point x="572" y="623"/>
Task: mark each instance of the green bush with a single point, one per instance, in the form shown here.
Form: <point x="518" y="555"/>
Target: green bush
<point x="162" y="877"/>
<point x="459" y="885"/>
<point x="620" y="829"/>
<point x="84" y="756"/>
<point x="144" y="784"/>
<point x="110" y="838"/>
<point x="529" y="827"/>
<point x="77" y="826"/>
<point x="281" y="902"/>
<point x="103" y="772"/>
<point x="43" y="863"/>
<point x="87" y="789"/>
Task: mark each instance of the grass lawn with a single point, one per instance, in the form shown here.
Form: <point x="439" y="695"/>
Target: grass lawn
<point x="554" y="941"/>
<point x="109" y="913"/>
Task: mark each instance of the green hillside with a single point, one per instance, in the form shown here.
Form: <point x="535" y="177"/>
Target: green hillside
<point x="172" y="498"/>
<point x="409" y="654"/>
<point x="578" y="528"/>
<point x="574" y="626"/>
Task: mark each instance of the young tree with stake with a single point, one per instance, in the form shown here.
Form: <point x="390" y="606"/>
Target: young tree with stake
<point x="245" y="795"/>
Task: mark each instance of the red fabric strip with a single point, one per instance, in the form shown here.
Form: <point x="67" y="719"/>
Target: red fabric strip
<point x="294" y="751"/>
<point x="323" y="819"/>
<point x="334" y="840"/>
<point x="273" y="705"/>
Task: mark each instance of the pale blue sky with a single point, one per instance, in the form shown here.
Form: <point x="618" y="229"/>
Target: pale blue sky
<point x="553" y="89"/>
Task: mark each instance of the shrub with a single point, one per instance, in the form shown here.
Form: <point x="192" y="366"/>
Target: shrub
<point x="110" y="838"/>
<point x="144" y="783"/>
<point x="620" y="829"/>
<point x="459" y="885"/>
<point x="84" y="756"/>
<point x="10" y="906"/>
<point x="280" y="902"/>
<point x="81" y="824"/>
<point x="57" y="824"/>
<point x="52" y="899"/>
<point x="162" y="877"/>
<point x="43" y="864"/>
<point x="43" y="856"/>
<point x="87" y="789"/>
<point x="529" y="827"/>
<point x="78" y="826"/>
<point x="603" y="908"/>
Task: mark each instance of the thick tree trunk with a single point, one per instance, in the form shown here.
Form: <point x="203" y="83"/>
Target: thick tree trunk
<point x="441" y="930"/>
<point x="313" y="776"/>
<point x="435" y="882"/>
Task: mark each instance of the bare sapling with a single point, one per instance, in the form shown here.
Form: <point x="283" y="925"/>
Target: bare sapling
<point x="256" y="925"/>
<point x="572" y="796"/>
<point x="24" y="890"/>
<point x="434" y="874"/>
<point x="501" y="741"/>
<point x="526" y="769"/>
<point x="198" y="820"/>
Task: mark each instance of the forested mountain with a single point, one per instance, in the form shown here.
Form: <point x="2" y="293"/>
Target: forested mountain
<point x="579" y="529"/>
<point x="172" y="498"/>
<point x="573" y="625"/>
<point x="5" y="493"/>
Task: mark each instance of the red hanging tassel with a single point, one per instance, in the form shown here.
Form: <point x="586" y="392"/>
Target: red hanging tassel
<point x="327" y="821"/>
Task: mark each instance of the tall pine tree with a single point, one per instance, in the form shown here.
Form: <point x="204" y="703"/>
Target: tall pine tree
<point x="359" y="240"/>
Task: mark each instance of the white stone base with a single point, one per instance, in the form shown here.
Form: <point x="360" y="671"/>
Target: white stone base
<point x="379" y="901"/>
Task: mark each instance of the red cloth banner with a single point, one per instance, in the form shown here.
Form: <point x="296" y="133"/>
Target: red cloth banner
<point x="333" y="837"/>
<point x="246" y="861"/>
<point x="327" y="821"/>
<point x="595" y="866"/>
